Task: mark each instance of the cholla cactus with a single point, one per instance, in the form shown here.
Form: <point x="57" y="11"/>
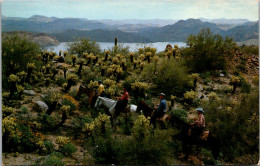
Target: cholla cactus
<point x="65" y="111"/>
<point x="73" y="58"/>
<point x="139" y="89"/>
<point x="8" y="126"/>
<point x="153" y="51"/>
<point x="195" y="77"/>
<point x="13" y="79"/>
<point x="30" y="68"/>
<point x="111" y="91"/>
<point x="168" y="54"/>
<point x="60" y="53"/>
<point x="106" y="53"/>
<point x="213" y="96"/>
<point x="101" y="126"/>
<point x="140" y="51"/>
<point x="22" y="76"/>
<point x="172" y="100"/>
<point x="81" y="62"/>
<point x="20" y="88"/>
<point x="93" y="85"/>
<point x="131" y="57"/>
<point x="65" y="53"/>
<point x="65" y="68"/>
<point x="141" y="57"/>
<point x="141" y="128"/>
<point x="85" y="55"/>
<point x="235" y="81"/>
<point x="61" y="140"/>
<point x="190" y="96"/>
<point x="47" y="68"/>
<point x="148" y="56"/>
<point x="108" y="82"/>
<point x="7" y="111"/>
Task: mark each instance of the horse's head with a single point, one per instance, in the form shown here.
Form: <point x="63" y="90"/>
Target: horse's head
<point x="140" y="105"/>
<point x="98" y="102"/>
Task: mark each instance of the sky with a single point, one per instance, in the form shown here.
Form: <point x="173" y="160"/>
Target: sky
<point x="133" y="9"/>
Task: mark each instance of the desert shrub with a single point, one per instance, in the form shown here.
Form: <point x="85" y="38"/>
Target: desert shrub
<point x="60" y="80"/>
<point x="6" y="111"/>
<point x="54" y="158"/>
<point x="253" y="50"/>
<point x="17" y="51"/>
<point x="120" y="49"/>
<point x="139" y="149"/>
<point x="83" y="45"/>
<point x="70" y="101"/>
<point x="49" y="147"/>
<point x="78" y="124"/>
<point x="171" y="78"/>
<point x="206" y="51"/>
<point x="235" y="125"/>
<point x="48" y="122"/>
<point x="68" y="149"/>
<point x="181" y="114"/>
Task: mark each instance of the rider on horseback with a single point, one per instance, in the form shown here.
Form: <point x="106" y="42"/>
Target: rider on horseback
<point x="159" y="110"/>
<point x="101" y="89"/>
<point x="199" y="124"/>
<point x="122" y="102"/>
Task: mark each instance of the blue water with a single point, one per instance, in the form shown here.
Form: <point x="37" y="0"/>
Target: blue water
<point x="160" y="46"/>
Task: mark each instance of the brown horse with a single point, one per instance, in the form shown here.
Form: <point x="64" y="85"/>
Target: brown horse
<point x="148" y="111"/>
<point x="89" y="92"/>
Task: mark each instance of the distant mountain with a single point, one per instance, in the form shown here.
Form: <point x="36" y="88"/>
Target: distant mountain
<point x="99" y="35"/>
<point x="179" y="31"/>
<point x="49" y="24"/>
<point x="225" y="21"/>
<point x="244" y="32"/>
<point x="130" y="30"/>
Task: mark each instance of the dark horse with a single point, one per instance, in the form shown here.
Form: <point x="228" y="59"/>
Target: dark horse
<point x="188" y="140"/>
<point x="90" y="93"/>
<point x="147" y="111"/>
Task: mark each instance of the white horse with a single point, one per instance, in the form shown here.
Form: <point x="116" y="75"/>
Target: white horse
<point x="111" y="104"/>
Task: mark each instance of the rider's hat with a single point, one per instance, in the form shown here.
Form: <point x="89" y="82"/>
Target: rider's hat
<point x="200" y="109"/>
<point x="161" y="94"/>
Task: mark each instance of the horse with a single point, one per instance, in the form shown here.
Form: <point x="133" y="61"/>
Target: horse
<point x="110" y="106"/>
<point x="188" y="139"/>
<point x="89" y="92"/>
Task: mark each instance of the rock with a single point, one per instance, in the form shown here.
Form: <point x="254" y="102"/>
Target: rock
<point x="40" y="106"/>
<point x="29" y="92"/>
<point x="221" y="75"/>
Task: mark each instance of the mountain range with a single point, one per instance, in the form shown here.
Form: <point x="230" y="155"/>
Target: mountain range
<point x="132" y="30"/>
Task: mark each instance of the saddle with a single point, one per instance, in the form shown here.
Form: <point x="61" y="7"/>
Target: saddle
<point x="162" y="118"/>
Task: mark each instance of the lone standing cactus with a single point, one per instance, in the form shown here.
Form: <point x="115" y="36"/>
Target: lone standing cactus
<point x="116" y="42"/>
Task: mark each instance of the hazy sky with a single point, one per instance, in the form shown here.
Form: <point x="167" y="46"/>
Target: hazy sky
<point x="133" y="9"/>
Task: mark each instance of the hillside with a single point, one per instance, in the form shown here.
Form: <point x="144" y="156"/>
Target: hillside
<point x="41" y="38"/>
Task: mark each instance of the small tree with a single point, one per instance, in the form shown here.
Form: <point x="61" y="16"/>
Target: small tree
<point x="83" y="45"/>
<point x="207" y="51"/>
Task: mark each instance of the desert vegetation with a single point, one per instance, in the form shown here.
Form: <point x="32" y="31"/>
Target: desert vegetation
<point x="46" y="121"/>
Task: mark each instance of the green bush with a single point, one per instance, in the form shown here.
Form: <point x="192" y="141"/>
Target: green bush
<point x="68" y="149"/>
<point x="181" y="114"/>
<point x="206" y="51"/>
<point x="171" y="78"/>
<point x="49" y="146"/>
<point x="234" y="124"/>
<point x="17" y="51"/>
<point x="83" y="45"/>
<point x="54" y="158"/>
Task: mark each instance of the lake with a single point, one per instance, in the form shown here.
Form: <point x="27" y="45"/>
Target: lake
<point x="160" y="46"/>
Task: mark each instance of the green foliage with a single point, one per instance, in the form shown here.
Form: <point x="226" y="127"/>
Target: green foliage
<point x="234" y="124"/>
<point x="83" y="45"/>
<point x="68" y="149"/>
<point x="171" y="78"/>
<point x="49" y="146"/>
<point x="54" y="158"/>
<point x="253" y="50"/>
<point x="181" y="114"/>
<point x="78" y="124"/>
<point x="17" y="51"/>
<point x="207" y="51"/>
<point x="119" y="49"/>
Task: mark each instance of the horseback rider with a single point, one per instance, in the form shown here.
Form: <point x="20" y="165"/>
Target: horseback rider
<point x="159" y="110"/>
<point x="199" y="124"/>
<point x="122" y="102"/>
<point x="101" y="89"/>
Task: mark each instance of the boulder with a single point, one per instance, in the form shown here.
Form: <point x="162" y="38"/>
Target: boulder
<point x="29" y="92"/>
<point x="221" y="75"/>
<point x="40" y="106"/>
